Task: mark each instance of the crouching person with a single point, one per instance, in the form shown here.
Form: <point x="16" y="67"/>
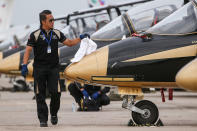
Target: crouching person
<point x="88" y="97"/>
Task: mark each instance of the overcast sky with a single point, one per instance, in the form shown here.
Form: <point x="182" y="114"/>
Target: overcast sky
<point x="27" y="11"/>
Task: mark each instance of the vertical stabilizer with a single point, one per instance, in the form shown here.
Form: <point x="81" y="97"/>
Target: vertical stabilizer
<point x="93" y="3"/>
<point x="6" y="7"/>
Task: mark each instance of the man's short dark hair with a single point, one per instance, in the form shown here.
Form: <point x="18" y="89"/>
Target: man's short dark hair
<point x="43" y="14"/>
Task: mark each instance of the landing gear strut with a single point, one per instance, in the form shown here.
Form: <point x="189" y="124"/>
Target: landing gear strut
<point x="143" y="112"/>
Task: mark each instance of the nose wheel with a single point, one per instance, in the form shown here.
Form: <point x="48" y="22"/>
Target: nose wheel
<point x="150" y="115"/>
<point x="143" y="112"/>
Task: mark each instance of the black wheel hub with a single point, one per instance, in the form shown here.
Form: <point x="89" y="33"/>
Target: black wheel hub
<point x="147" y="114"/>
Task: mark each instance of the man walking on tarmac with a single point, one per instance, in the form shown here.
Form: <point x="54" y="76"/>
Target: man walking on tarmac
<point x="44" y="43"/>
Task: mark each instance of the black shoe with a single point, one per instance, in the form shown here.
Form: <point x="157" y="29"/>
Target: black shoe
<point x="54" y="120"/>
<point x="43" y="124"/>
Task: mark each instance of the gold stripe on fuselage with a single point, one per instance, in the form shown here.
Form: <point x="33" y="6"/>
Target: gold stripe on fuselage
<point x="132" y="84"/>
<point x="123" y="79"/>
<point x="173" y="53"/>
<point x="117" y="79"/>
<point x="101" y="78"/>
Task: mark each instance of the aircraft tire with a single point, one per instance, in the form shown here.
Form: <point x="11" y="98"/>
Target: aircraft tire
<point x="151" y="116"/>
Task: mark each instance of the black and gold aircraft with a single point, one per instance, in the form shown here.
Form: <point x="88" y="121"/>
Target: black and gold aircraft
<point x="164" y="55"/>
<point x="136" y="19"/>
<point x="5" y="54"/>
<point x="144" y="13"/>
<point x="76" y="23"/>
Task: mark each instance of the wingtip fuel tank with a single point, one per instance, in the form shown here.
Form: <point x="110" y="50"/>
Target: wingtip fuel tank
<point x="187" y="76"/>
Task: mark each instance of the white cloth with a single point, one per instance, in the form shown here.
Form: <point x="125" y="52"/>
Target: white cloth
<point x="87" y="46"/>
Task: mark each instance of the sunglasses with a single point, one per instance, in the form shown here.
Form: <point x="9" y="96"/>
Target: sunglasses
<point x="51" y="20"/>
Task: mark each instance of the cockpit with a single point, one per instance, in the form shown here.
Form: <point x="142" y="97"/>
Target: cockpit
<point x="137" y="19"/>
<point x="185" y="22"/>
<point x="90" y="20"/>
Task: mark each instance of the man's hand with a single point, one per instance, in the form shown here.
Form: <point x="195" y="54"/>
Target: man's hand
<point x="85" y="35"/>
<point x="24" y="70"/>
<point x="85" y="93"/>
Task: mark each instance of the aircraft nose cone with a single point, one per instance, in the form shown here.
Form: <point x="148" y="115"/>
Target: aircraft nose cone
<point x="187" y="76"/>
<point x="10" y="64"/>
<point x="94" y="64"/>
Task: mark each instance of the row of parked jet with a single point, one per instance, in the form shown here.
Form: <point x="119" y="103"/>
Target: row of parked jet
<point x="88" y="20"/>
<point x="75" y="22"/>
<point x="159" y="50"/>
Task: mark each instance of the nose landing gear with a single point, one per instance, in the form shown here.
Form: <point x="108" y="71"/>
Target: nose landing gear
<point x="150" y="115"/>
<point x="143" y="113"/>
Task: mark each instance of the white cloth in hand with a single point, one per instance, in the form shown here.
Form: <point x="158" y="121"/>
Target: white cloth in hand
<point x="87" y="46"/>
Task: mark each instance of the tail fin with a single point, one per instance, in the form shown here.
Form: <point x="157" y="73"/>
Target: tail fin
<point x="6" y="7"/>
<point x="93" y="3"/>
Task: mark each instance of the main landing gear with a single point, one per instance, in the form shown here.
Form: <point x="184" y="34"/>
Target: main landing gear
<point x="143" y="112"/>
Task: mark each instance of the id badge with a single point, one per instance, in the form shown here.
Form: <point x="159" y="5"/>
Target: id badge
<point x="49" y="49"/>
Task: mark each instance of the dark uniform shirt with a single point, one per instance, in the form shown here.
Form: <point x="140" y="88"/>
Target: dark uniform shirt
<point x="91" y="89"/>
<point x="39" y="43"/>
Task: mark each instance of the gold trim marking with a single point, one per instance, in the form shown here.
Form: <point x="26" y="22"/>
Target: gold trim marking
<point x="129" y="91"/>
<point x="131" y="23"/>
<point x="101" y="78"/>
<point x="117" y="79"/>
<point x="127" y="25"/>
<point x="123" y="79"/>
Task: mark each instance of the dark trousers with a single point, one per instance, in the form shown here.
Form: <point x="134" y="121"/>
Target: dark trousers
<point x="46" y="78"/>
<point x="102" y="100"/>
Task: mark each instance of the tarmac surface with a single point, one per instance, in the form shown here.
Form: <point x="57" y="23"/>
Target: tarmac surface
<point x="18" y="113"/>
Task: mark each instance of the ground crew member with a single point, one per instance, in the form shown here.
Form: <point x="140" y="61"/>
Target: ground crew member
<point x="44" y="43"/>
<point x="93" y="97"/>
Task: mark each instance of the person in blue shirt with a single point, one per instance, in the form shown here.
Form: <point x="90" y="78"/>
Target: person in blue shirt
<point x="88" y="97"/>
